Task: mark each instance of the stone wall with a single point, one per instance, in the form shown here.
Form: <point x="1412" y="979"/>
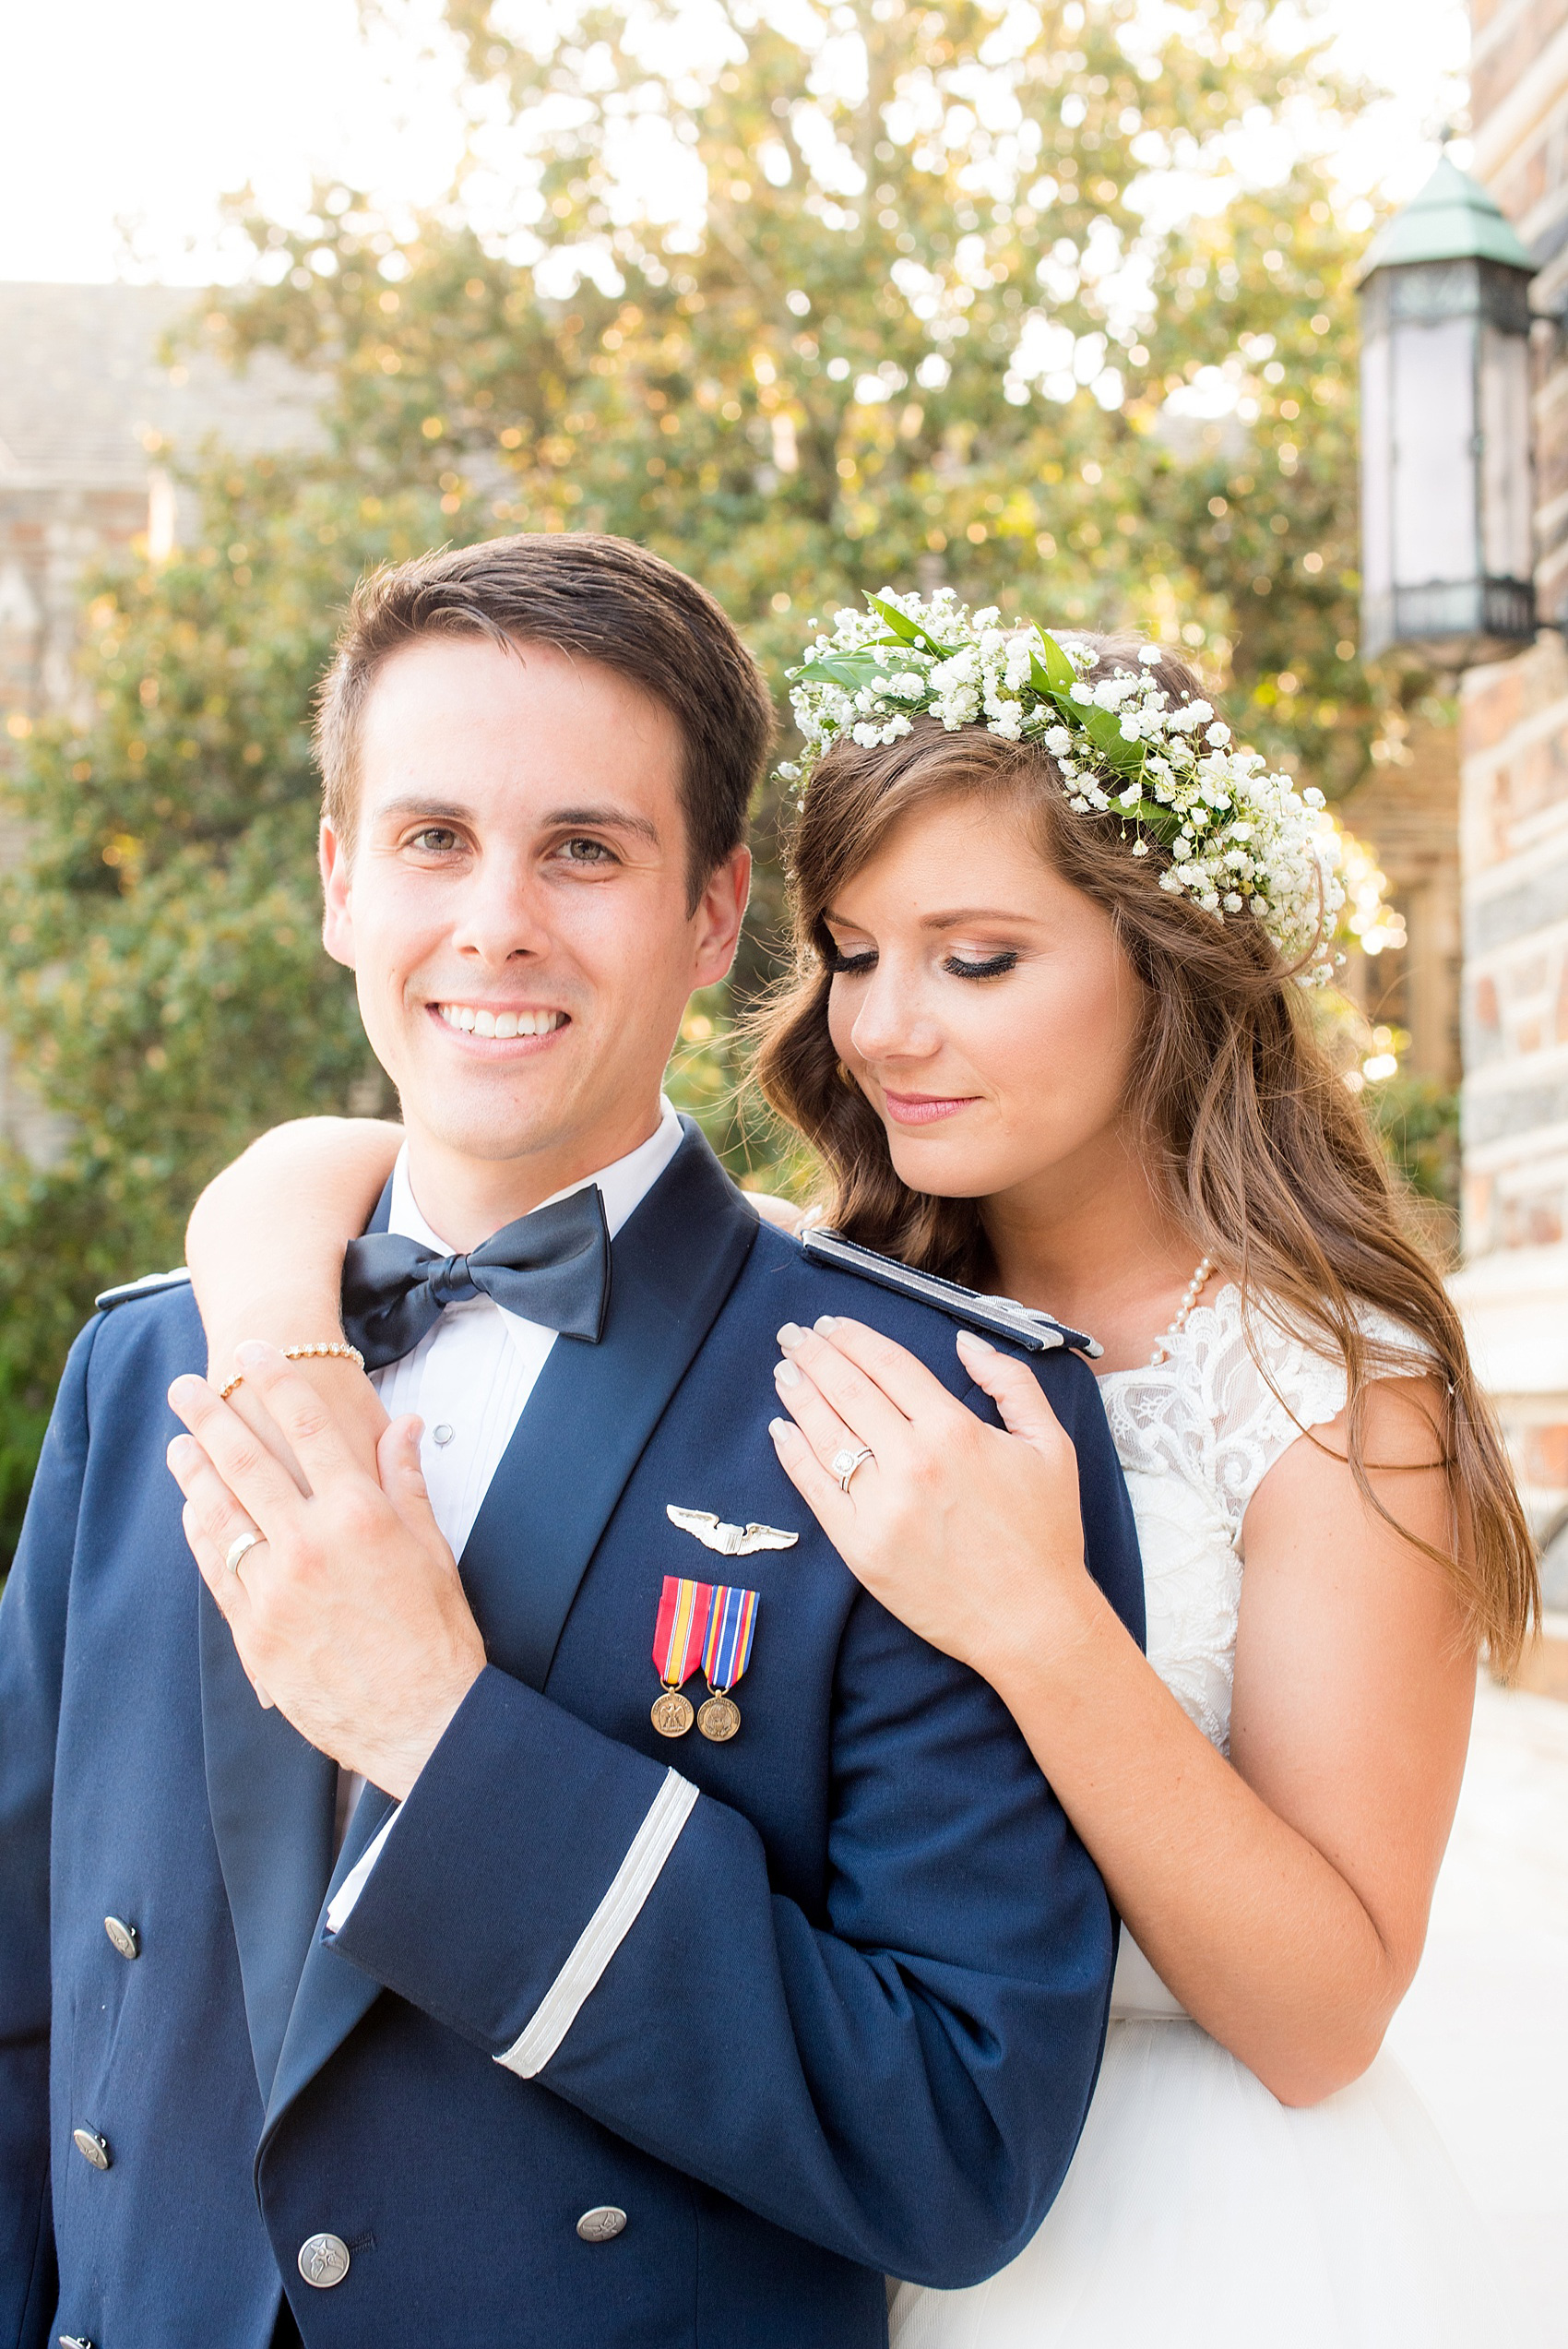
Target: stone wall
<point x="1514" y="830"/>
<point x="1513" y="848"/>
<point x="1519" y="108"/>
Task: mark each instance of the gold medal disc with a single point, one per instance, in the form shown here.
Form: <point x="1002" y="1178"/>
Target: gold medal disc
<point x="719" y="1718"/>
<point x="671" y="1714"/>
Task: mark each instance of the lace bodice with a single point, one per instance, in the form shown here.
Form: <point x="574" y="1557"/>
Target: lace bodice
<point x="1196" y="1434"/>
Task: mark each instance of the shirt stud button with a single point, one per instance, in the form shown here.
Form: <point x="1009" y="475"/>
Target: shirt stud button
<point x="442" y="1435"/>
<point x="125" y="1938"/>
<point x="324" y="2261"/>
<point x="603" y="2225"/>
<point x="91" y="2147"/>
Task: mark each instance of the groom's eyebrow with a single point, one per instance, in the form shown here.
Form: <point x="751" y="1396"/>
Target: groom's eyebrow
<point x="602" y="819"/>
<point x="436" y="811"/>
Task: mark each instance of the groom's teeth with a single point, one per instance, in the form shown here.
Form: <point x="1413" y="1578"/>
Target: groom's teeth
<point x="502" y="1025"/>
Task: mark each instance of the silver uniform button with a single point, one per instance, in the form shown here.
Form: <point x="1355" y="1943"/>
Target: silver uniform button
<point x="93" y="2148"/>
<point x="125" y="1938"/>
<point x="324" y="2261"/>
<point x="442" y="1435"/>
<point x="74" y="2341"/>
<point x="603" y="2225"/>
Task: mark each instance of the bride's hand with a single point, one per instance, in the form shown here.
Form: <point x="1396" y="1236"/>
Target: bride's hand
<point x="972" y="1536"/>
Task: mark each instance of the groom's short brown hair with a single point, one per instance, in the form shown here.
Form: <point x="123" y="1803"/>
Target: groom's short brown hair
<point x="599" y="598"/>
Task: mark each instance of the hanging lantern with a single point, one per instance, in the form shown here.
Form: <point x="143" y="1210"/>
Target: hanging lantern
<point x="1447" y="534"/>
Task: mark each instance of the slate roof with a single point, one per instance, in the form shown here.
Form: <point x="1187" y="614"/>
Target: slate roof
<point x="82" y="382"/>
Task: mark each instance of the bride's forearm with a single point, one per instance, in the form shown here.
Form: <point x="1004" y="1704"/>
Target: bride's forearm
<point x="265" y="1239"/>
<point x="265" y="1246"/>
<point x="1263" y="1940"/>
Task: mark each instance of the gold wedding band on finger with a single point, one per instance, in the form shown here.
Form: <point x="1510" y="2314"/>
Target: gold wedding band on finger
<point x="844" y="1464"/>
<point x="241" y="1547"/>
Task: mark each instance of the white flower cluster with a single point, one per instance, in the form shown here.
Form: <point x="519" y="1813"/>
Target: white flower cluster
<point x="1236" y="835"/>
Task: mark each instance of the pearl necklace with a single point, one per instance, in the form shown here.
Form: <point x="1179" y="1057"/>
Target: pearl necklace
<point x="1193" y="1291"/>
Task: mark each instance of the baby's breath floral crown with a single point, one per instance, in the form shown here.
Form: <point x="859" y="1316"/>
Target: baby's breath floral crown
<point x="1237" y="837"/>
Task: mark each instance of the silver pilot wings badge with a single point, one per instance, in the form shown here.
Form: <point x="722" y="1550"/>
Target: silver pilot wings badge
<point x="730" y="1541"/>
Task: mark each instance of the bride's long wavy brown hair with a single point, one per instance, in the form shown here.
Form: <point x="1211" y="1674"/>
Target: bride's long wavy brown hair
<point x="1264" y="1157"/>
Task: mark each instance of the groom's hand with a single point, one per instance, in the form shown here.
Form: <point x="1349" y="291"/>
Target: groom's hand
<point x="347" y="1611"/>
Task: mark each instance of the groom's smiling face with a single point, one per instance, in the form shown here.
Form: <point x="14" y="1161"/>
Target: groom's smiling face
<point x="514" y="904"/>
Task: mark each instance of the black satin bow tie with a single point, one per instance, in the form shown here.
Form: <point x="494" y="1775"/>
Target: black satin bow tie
<point x="551" y="1266"/>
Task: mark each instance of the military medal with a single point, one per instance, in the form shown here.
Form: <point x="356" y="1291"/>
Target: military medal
<point x="731" y="1623"/>
<point x="683" y="1611"/>
<point x="730" y="1541"/>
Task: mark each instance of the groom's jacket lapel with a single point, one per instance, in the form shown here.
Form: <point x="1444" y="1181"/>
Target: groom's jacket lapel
<point x="273" y="1799"/>
<point x="580" y="1436"/>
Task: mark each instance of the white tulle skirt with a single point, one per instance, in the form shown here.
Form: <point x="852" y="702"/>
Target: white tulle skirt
<point x="1200" y="2214"/>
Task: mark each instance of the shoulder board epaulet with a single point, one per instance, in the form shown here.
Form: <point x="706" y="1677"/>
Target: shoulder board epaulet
<point x="1036" y="1332"/>
<point x="151" y="1284"/>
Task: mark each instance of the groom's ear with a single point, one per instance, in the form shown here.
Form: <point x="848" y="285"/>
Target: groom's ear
<point x="337" y="921"/>
<point x="717" y="918"/>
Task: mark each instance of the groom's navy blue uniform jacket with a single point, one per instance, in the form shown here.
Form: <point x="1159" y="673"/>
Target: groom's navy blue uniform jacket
<point x="853" y="2017"/>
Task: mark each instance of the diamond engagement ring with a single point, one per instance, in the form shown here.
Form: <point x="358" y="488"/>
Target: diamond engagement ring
<point x="844" y="1464"/>
<point x="241" y="1546"/>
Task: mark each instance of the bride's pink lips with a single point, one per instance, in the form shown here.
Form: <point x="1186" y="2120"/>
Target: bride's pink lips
<point x="924" y="1109"/>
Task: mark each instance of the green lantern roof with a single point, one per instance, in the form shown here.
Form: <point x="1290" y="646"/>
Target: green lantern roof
<point x="1453" y="219"/>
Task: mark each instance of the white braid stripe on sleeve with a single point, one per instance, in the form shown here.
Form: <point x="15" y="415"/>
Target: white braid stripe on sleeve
<point x="605" y="1930"/>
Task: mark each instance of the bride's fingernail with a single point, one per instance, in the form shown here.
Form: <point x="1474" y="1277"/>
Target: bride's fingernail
<point x="976" y="1343"/>
<point x="825" y="1325"/>
<point x="778" y="1429"/>
<point x="786" y="1373"/>
<point x="792" y="1334"/>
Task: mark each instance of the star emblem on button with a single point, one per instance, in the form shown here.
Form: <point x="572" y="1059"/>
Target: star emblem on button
<point x="324" y="2261"/>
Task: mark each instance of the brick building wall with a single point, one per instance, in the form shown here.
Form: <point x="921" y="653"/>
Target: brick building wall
<point x="1514" y="831"/>
<point x="1519" y="111"/>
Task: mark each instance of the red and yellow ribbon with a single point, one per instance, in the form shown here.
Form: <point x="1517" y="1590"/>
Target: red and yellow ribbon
<point x="679" y="1636"/>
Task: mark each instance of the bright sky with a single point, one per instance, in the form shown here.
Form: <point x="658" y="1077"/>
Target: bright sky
<point x="123" y="122"/>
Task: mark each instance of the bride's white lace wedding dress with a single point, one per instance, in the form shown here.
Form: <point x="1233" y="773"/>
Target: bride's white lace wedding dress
<point x="1198" y="2209"/>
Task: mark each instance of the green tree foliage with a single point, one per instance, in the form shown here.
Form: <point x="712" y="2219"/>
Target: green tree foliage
<point x="929" y="324"/>
<point x="166" y="991"/>
<point x="990" y="294"/>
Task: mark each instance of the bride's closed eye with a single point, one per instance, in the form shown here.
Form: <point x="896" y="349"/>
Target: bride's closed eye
<point x="850" y="966"/>
<point x="842" y="965"/>
<point x="994" y="966"/>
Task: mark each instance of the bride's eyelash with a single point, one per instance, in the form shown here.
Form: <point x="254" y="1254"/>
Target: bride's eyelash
<point x="855" y="966"/>
<point x="994" y="966"/>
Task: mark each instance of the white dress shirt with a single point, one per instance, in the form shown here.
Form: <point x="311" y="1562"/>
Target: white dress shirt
<point x="469" y="1380"/>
